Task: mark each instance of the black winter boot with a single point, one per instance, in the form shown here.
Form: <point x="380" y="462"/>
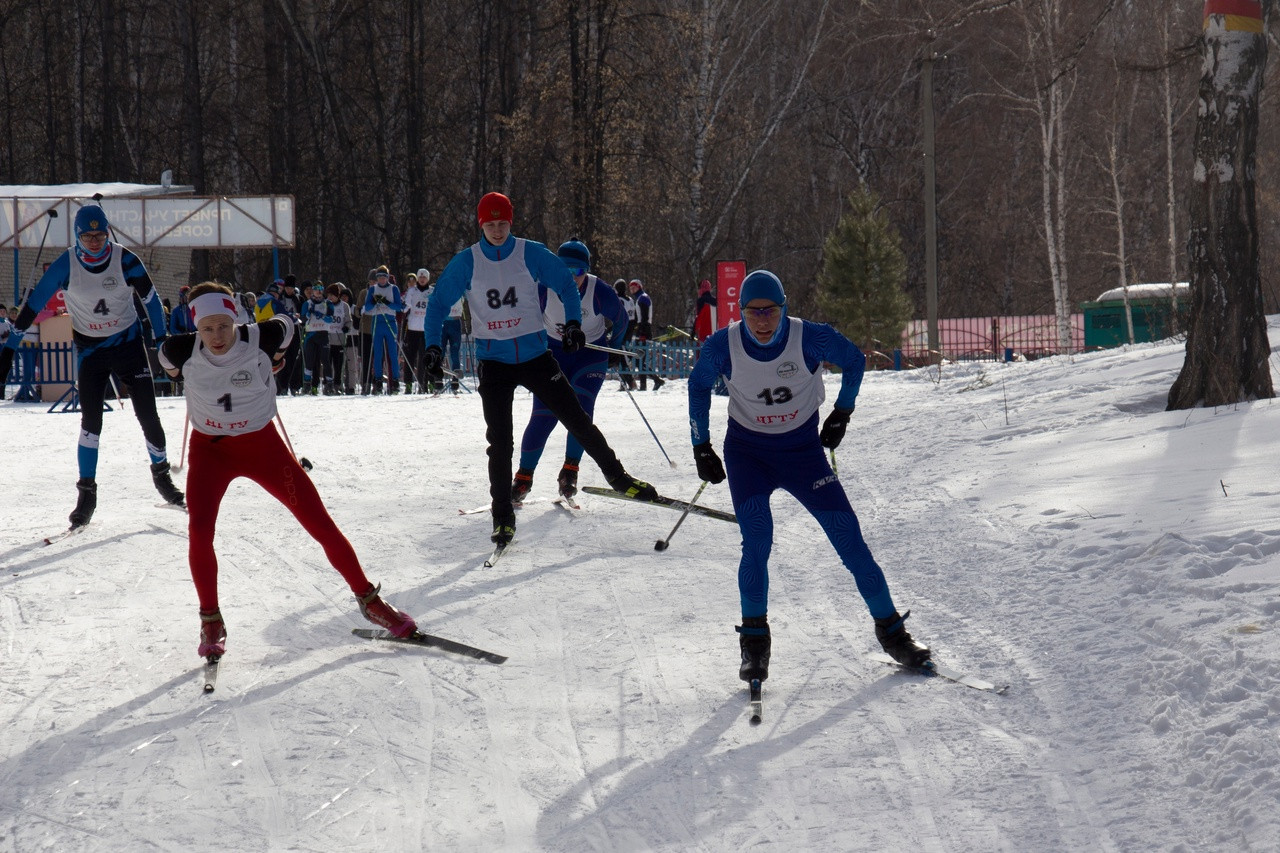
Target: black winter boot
<point x="86" y="501"/>
<point x="164" y="484"/>
<point x="756" y="644"/>
<point x="898" y="642"/>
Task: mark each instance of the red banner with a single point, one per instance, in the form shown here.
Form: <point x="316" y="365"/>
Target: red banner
<point x="729" y="276"/>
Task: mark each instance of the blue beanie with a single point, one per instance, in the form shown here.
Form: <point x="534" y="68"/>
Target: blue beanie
<point x="762" y="284"/>
<point x="90" y="218"/>
<point x="575" y="254"/>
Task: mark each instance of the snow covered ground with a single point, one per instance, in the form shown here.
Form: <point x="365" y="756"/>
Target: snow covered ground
<point x="1048" y="524"/>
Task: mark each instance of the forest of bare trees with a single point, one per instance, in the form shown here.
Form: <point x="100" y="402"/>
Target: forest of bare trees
<point x="668" y="135"/>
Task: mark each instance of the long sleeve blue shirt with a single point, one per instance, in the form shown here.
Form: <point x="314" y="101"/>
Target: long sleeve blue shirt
<point x="454" y="283"/>
<point x="819" y="342"/>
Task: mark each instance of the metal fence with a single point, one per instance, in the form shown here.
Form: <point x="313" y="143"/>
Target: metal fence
<point x="991" y="338"/>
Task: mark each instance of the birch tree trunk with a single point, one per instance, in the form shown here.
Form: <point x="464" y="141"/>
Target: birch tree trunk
<point x="1227" y="359"/>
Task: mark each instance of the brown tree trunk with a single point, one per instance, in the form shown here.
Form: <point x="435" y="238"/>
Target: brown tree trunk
<point x="1227" y="358"/>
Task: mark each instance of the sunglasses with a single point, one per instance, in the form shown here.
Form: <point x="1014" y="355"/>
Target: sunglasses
<point x="577" y="271"/>
<point x="762" y="313"/>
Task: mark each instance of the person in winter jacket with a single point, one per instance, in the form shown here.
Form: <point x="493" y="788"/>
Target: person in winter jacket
<point x="382" y="302"/>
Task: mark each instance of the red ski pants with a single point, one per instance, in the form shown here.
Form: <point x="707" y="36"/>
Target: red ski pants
<point x="264" y="458"/>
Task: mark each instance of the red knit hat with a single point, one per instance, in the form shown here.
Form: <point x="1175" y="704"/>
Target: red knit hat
<point x="494" y="207"/>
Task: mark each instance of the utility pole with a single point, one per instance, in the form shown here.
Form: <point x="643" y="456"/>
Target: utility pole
<point x="930" y="202"/>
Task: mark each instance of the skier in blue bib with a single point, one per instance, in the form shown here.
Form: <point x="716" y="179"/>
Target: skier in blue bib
<point x="772" y="365"/>
<point x="499" y="276"/>
<point x="101" y="278"/>
<point x="604" y="322"/>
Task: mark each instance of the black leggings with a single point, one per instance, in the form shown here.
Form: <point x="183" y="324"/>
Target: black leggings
<point x="128" y="361"/>
<point x="544" y="378"/>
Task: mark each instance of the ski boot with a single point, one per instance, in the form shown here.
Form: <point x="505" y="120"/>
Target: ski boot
<point x="164" y="484"/>
<point x="377" y="388"/>
<point x="756" y="643"/>
<point x="377" y="611"/>
<point x="898" y="643"/>
<point x="213" y="634"/>
<point x="394" y="387"/>
<point x="504" y="529"/>
<point x="86" y="502"/>
<point x="329" y="390"/>
<point x="521" y="485"/>
<point x="567" y="482"/>
<point x="658" y="382"/>
<point x="627" y="485"/>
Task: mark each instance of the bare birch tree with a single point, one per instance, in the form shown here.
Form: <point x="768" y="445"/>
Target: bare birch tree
<point x="1227" y="358"/>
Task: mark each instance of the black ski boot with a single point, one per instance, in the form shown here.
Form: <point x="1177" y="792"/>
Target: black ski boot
<point x="567" y="482"/>
<point x="898" y="642"/>
<point x="756" y="644"/>
<point x="164" y="484"/>
<point x="504" y="529"/>
<point x="627" y="485"/>
<point x="86" y="502"/>
<point x="521" y="485"/>
<point x="394" y="387"/>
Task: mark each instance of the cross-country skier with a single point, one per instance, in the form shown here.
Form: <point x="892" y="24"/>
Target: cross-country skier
<point x="382" y="303"/>
<point x="100" y="278"/>
<point x="772" y="364"/>
<point x="499" y="275"/>
<point x="604" y="321"/>
<point x="227" y="374"/>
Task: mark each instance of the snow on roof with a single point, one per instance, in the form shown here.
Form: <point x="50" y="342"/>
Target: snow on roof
<point x="85" y="191"/>
<point x="1159" y="290"/>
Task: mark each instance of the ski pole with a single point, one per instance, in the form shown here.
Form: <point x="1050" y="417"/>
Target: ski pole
<point x="186" y="430"/>
<point x="646" y="423"/>
<point x="622" y="352"/>
<point x="302" y="460"/>
<point x="833" y="462"/>
<point x="31" y="281"/>
<point x="663" y="544"/>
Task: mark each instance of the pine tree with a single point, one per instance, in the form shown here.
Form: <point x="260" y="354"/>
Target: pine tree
<point x="863" y="270"/>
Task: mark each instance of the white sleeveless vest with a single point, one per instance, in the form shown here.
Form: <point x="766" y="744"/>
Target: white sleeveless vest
<point x="503" y="297"/>
<point x="100" y="303"/>
<point x="772" y="396"/>
<point x="234" y="396"/>
<point x="593" y="324"/>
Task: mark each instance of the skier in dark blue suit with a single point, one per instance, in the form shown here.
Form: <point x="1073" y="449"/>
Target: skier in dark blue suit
<point x="772" y="365"/>
<point x="604" y="322"/>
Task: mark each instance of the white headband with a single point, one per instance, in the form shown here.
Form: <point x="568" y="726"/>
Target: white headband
<point x="212" y="303"/>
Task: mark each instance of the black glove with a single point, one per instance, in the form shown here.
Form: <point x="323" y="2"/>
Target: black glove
<point x="573" y="338"/>
<point x="433" y="358"/>
<point x="833" y="428"/>
<point x="6" y="363"/>
<point x="379" y="300"/>
<point x="709" y="466"/>
<point x="617" y="362"/>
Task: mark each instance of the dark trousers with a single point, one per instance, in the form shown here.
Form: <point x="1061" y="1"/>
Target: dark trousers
<point x="128" y="361"/>
<point x="414" y="350"/>
<point x="545" y="379"/>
